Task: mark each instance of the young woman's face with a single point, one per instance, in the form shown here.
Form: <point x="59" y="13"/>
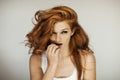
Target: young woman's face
<point x="61" y="34"/>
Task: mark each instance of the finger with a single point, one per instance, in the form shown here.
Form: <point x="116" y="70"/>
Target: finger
<point x="54" y="48"/>
<point x="50" y="48"/>
<point x="57" y="51"/>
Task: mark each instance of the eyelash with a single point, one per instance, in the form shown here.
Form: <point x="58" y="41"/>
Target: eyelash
<point x="64" y="32"/>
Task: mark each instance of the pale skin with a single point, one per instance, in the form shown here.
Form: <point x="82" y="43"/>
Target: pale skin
<point x="59" y="61"/>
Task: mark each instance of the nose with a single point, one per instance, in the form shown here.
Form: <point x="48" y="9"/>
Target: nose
<point x="58" y="38"/>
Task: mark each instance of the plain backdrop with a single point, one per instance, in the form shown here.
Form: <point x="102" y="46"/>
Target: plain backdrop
<point x="99" y="18"/>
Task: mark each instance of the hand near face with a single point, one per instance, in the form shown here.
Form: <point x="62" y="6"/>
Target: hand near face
<point x="52" y="54"/>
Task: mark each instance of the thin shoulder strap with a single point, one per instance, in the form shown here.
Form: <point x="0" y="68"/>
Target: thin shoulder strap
<point x="44" y="62"/>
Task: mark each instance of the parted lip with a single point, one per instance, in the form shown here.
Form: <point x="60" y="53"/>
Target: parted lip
<point x="58" y="44"/>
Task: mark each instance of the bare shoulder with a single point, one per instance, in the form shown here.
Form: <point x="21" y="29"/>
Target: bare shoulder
<point x="35" y="60"/>
<point x="88" y="55"/>
<point x="89" y="65"/>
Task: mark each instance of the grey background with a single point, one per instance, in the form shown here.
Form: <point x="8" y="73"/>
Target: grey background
<point x="99" y="18"/>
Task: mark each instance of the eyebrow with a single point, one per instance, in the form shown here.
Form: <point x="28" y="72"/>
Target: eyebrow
<point x="62" y="30"/>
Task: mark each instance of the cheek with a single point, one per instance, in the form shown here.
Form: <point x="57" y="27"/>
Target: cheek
<point x="51" y="38"/>
<point x="66" y="38"/>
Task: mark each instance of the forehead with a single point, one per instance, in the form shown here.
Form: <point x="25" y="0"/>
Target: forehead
<point x="61" y="26"/>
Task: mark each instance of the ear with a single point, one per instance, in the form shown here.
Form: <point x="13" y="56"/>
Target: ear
<point x="72" y="33"/>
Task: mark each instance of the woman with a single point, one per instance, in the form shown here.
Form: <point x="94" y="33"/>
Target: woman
<point x="60" y="47"/>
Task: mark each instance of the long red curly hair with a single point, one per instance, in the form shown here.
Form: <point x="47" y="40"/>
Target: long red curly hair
<point x="39" y="37"/>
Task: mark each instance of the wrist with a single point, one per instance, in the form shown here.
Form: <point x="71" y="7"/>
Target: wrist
<point x="52" y="65"/>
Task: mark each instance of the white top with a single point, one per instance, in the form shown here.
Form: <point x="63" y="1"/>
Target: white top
<point x="44" y="67"/>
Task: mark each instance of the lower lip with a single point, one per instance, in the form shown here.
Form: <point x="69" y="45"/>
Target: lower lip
<point x="59" y="45"/>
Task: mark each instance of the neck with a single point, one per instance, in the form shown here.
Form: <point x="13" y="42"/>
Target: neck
<point x="64" y="52"/>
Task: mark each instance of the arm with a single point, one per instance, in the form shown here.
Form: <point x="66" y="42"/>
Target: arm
<point x="35" y="69"/>
<point x="36" y="72"/>
<point x="90" y="67"/>
<point x="52" y="57"/>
